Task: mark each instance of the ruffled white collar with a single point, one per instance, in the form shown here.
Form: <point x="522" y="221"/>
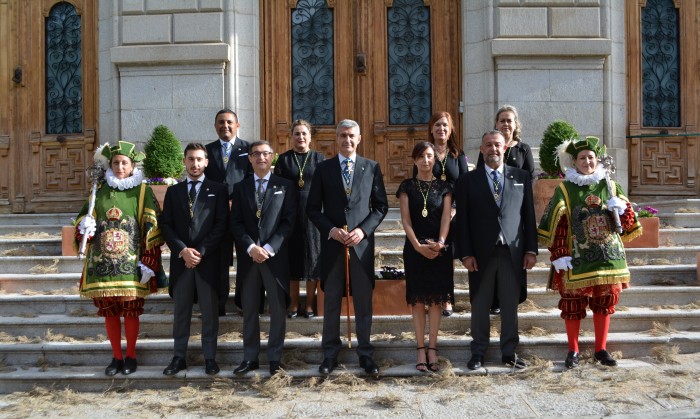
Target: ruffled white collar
<point x="127" y="183"/>
<point x="584" y="180"/>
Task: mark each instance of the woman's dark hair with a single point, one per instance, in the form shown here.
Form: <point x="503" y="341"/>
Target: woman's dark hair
<point x="451" y="143"/>
<point x="420" y="147"/>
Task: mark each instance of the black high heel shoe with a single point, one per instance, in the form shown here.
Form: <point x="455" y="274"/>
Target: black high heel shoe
<point x="433" y="366"/>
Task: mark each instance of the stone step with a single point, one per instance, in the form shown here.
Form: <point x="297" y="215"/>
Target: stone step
<point x="56" y="219"/>
<point x="30" y="246"/>
<point x="674" y="205"/>
<point x="21" y="305"/>
<point x="641" y="275"/>
<point x="302" y="355"/>
<point x="680" y="220"/>
<point x="632" y="319"/>
<point x="39" y="230"/>
<point x="640" y="256"/>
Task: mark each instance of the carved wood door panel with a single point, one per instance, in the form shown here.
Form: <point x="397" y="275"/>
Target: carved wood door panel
<point x="48" y="110"/>
<point x="663" y="97"/>
<point x="386" y="64"/>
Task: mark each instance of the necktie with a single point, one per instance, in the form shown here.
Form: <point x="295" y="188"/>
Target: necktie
<point x="347" y="173"/>
<point x="193" y="195"/>
<point x="227" y="152"/>
<point x="496" y="184"/>
<point x="259" y="197"/>
<point x="193" y="190"/>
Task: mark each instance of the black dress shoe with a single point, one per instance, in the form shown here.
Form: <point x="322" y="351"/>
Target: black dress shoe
<point x="274" y="367"/>
<point x="292" y="315"/>
<point x="176" y="365"/>
<point x="475" y="362"/>
<point x="446" y="313"/>
<point x="571" y="360"/>
<point x="514" y="362"/>
<point x="211" y="367"/>
<point x="114" y="367"/>
<point x="246" y="367"/>
<point x="129" y="366"/>
<point x="495" y="311"/>
<point x="327" y="366"/>
<point x="309" y="314"/>
<point x="604" y="358"/>
<point x="367" y="363"/>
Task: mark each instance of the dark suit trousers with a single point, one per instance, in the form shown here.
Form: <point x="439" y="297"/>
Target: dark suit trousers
<point x="498" y="274"/>
<point x="361" y="289"/>
<point x="225" y="264"/>
<point x="207" y="297"/>
<point x="261" y="276"/>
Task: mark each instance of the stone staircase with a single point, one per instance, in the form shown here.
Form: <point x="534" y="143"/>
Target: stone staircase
<point x="50" y="337"/>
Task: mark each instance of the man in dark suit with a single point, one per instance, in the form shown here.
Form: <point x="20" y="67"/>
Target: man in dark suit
<point x="496" y="242"/>
<point x="262" y="220"/>
<point x="347" y="190"/>
<point x="194" y="220"/>
<point x="228" y="164"/>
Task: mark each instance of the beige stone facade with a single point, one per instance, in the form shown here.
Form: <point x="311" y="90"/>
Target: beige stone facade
<point x="177" y="62"/>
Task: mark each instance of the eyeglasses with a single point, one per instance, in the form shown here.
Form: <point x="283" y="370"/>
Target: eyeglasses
<point x="257" y="154"/>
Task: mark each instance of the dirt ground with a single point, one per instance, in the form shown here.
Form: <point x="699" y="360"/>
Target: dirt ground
<point x="658" y="390"/>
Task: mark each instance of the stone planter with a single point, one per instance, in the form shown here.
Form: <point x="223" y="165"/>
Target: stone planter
<point x="650" y="234"/>
<point x="542" y="191"/>
<point x="388" y="299"/>
<point x="67" y="237"/>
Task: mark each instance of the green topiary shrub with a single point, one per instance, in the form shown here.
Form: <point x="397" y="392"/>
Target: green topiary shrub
<point x="163" y="155"/>
<point x="555" y="134"/>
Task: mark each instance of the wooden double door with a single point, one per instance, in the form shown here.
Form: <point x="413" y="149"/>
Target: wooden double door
<point x="663" y="98"/>
<point x="386" y="64"/>
<point x="48" y="103"/>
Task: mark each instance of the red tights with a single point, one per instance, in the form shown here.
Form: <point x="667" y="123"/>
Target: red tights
<point x="114" y="333"/>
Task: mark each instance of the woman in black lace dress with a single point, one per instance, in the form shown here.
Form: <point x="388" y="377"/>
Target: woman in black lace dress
<point x="426" y="202"/>
<point x="298" y="165"/>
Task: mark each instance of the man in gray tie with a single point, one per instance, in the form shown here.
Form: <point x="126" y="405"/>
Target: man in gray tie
<point x="228" y="164"/>
<point x="262" y="220"/>
<point x="347" y="191"/>
<point x="496" y="242"/>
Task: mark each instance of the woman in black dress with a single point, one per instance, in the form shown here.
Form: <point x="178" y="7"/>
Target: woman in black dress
<point x="298" y="165"/>
<point x="426" y="203"/>
<point x="450" y="161"/>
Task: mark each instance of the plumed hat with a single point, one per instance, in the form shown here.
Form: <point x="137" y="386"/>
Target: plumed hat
<point x="104" y="153"/>
<point x="568" y="150"/>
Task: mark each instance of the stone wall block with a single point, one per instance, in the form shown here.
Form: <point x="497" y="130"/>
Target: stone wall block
<point x="196" y="90"/>
<point x="575" y="22"/>
<point x="154" y="92"/>
<point x="171" y="6"/>
<point x="159" y="29"/>
<point x="522" y="22"/>
<point x="198" y="27"/>
<point x="130" y="6"/>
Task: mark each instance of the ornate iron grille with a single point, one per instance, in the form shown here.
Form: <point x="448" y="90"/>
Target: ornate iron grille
<point x="64" y="81"/>
<point x="661" y="95"/>
<point x="313" y="95"/>
<point x="408" y="23"/>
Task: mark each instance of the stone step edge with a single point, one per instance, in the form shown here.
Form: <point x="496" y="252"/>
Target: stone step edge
<point x="92" y="378"/>
<point x="67" y="320"/>
<point x="534" y="290"/>
<point x="306" y="343"/>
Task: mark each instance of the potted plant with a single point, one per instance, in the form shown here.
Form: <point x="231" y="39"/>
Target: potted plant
<point x="554" y="135"/>
<point x="163" y="163"/>
<point x="388" y="298"/>
<point x="649" y="220"/>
